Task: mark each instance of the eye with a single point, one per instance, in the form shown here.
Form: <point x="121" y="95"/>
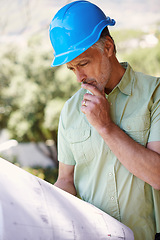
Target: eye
<point x="83" y="64"/>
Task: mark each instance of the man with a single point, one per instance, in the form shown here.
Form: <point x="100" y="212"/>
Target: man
<point x="109" y="131"/>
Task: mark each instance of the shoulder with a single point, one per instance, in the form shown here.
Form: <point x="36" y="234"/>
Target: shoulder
<point x="74" y="103"/>
<point x="144" y="86"/>
<point x="71" y="111"/>
<point x="78" y="96"/>
<point x="147" y="82"/>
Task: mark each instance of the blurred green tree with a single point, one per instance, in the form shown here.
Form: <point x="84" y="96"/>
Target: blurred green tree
<point x="32" y="93"/>
<point x="146" y="60"/>
<point x="142" y="58"/>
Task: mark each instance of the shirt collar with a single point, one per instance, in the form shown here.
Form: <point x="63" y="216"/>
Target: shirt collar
<point x="125" y="85"/>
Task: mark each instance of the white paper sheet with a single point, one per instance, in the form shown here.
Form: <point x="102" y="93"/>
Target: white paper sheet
<point x="32" y="209"/>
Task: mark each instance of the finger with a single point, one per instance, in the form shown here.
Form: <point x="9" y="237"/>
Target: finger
<point x="83" y="108"/>
<point x="93" y="89"/>
<point x="84" y="103"/>
<point x="88" y="97"/>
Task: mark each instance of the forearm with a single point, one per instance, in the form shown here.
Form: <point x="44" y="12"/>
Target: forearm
<point x="142" y="162"/>
<point x="65" y="185"/>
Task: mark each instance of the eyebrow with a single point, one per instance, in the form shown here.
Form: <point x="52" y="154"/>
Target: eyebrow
<point x="70" y="68"/>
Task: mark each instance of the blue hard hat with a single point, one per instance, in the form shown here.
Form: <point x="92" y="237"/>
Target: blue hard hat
<point x="75" y="28"/>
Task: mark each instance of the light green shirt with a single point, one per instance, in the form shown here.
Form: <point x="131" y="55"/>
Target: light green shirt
<point x="99" y="176"/>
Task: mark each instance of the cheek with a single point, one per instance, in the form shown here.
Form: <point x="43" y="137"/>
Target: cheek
<point x="98" y="70"/>
<point x="106" y="67"/>
<point x="105" y="73"/>
<point x="93" y="72"/>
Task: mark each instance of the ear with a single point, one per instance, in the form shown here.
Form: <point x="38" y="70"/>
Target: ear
<point x="109" y="46"/>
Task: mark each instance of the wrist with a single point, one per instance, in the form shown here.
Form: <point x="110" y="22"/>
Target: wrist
<point x="107" y="130"/>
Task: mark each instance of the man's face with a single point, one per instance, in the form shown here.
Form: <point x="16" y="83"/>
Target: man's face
<point x="92" y="66"/>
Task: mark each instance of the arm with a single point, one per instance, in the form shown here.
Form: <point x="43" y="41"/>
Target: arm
<point x="142" y="162"/>
<point x="65" y="179"/>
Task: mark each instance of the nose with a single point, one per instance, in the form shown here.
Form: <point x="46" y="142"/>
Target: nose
<point x="81" y="76"/>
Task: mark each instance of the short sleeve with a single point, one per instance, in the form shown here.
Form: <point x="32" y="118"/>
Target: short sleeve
<point x="64" y="151"/>
<point x="155" y="115"/>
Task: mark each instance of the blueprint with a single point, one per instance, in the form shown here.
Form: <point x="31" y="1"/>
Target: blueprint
<point x="33" y="209"/>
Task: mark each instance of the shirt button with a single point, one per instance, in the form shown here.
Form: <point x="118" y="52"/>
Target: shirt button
<point x="128" y="127"/>
<point x="110" y="174"/>
<point x="112" y="198"/>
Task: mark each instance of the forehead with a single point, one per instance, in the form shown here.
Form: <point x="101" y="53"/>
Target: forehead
<point x="88" y="54"/>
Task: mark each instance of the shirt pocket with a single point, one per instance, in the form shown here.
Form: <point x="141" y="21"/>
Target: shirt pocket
<point x="137" y="128"/>
<point x="81" y="144"/>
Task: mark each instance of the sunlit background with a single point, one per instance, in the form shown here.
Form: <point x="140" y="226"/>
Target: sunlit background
<point x="32" y="93"/>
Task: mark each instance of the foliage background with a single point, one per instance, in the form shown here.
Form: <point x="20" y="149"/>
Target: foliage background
<point x="32" y="93"/>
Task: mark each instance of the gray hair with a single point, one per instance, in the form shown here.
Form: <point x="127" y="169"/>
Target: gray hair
<point x="100" y="43"/>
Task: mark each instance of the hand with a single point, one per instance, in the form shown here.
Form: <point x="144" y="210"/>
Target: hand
<point x="96" y="108"/>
